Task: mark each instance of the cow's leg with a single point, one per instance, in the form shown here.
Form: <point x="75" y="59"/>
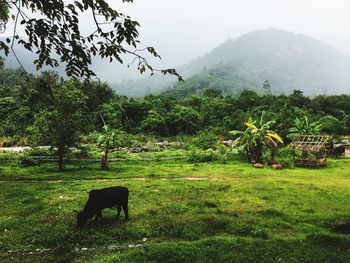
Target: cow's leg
<point x="98" y="216"/>
<point x="126" y="212"/>
<point x="119" y="209"/>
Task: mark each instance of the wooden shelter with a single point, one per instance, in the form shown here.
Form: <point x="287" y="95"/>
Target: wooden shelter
<point x="347" y="150"/>
<point x="311" y="150"/>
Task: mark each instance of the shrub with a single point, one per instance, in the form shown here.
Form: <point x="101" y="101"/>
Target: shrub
<point x="26" y="160"/>
<point x="183" y="142"/>
<point x="202" y="157"/>
<point x="41" y="152"/>
<point x="222" y="153"/>
<point x="83" y="151"/>
<point x="7" y="141"/>
<point x="285" y="157"/>
<point x="206" y="140"/>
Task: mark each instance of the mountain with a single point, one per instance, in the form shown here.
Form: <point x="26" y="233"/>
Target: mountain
<point x="288" y="61"/>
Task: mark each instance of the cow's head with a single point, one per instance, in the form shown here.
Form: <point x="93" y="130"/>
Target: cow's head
<point x="81" y="219"/>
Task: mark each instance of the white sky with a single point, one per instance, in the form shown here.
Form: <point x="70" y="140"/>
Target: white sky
<point x="185" y="29"/>
<point x="182" y="30"/>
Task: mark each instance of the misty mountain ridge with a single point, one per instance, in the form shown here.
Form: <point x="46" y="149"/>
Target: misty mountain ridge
<point x="287" y="60"/>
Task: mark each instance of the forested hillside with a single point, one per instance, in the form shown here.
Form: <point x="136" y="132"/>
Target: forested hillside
<point x="288" y="61"/>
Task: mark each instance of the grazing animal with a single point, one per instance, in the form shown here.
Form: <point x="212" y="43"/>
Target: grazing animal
<point x="101" y="199"/>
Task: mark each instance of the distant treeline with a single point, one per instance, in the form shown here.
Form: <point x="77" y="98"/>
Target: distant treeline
<point x="24" y="97"/>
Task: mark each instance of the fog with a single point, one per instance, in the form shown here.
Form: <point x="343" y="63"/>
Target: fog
<point x="183" y="30"/>
<point x="186" y="29"/>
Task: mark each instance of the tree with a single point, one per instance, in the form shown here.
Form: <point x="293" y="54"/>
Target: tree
<point x="331" y="125"/>
<point x="97" y="93"/>
<point x="14" y="117"/>
<point x="346" y="121"/>
<point x="304" y="126"/>
<point x="36" y="92"/>
<point x="4" y="14"/>
<point x="154" y="123"/>
<point x="214" y="111"/>
<point x="267" y="87"/>
<point x="255" y="137"/>
<point x="246" y="100"/>
<point x="61" y="123"/>
<point x="297" y="99"/>
<point x="112" y="113"/>
<point x="134" y="111"/>
<point x="212" y="93"/>
<point x="55" y="29"/>
<point x="183" y="119"/>
<point x="108" y="139"/>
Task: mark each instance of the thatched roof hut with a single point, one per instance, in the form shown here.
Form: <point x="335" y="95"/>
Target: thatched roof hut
<point x="311" y="150"/>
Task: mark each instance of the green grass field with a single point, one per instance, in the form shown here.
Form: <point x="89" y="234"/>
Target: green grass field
<point x="179" y="212"/>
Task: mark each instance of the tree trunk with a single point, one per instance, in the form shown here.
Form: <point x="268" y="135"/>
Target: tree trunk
<point x="257" y="152"/>
<point x="104" y="165"/>
<point x="273" y="155"/>
<point x="104" y="161"/>
<point x="60" y="159"/>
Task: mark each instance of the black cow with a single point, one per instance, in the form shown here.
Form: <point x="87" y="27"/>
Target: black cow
<point x="101" y="199"/>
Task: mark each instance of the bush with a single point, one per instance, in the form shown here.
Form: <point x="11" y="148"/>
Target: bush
<point x="83" y="151"/>
<point x="206" y="140"/>
<point x="222" y="153"/>
<point x="285" y="157"/>
<point x="12" y="141"/>
<point x="6" y="156"/>
<point x="26" y="160"/>
<point x="47" y="151"/>
<point x="183" y="142"/>
<point x="6" y="142"/>
<point x="138" y="139"/>
<point x="203" y="157"/>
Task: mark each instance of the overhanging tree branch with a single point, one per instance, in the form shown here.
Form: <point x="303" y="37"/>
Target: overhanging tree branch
<point x="57" y="32"/>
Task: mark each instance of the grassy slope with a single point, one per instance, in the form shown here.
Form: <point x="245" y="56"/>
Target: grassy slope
<point x="236" y="213"/>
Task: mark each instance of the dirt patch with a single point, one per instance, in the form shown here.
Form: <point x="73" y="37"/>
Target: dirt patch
<point x="111" y="180"/>
<point x="199" y="179"/>
<point x="118" y="179"/>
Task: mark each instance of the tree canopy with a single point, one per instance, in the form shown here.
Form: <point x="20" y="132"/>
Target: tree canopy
<point x="54" y="33"/>
<point x="60" y="123"/>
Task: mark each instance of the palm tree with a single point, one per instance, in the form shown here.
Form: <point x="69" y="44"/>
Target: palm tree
<point x="304" y="126"/>
<point x="256" y="136"/>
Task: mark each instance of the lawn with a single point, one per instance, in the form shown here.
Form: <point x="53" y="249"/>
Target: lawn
<point x="179" y="212"/>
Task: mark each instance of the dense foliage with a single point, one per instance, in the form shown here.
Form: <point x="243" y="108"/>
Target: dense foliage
<point x="23" y="98"/>
<point x="256" y="137"/>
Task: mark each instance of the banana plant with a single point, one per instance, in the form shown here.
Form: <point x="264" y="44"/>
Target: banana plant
<point x="255" y="137"/>
<point x="304" y="126"/>
<point x="108" y="139"/>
